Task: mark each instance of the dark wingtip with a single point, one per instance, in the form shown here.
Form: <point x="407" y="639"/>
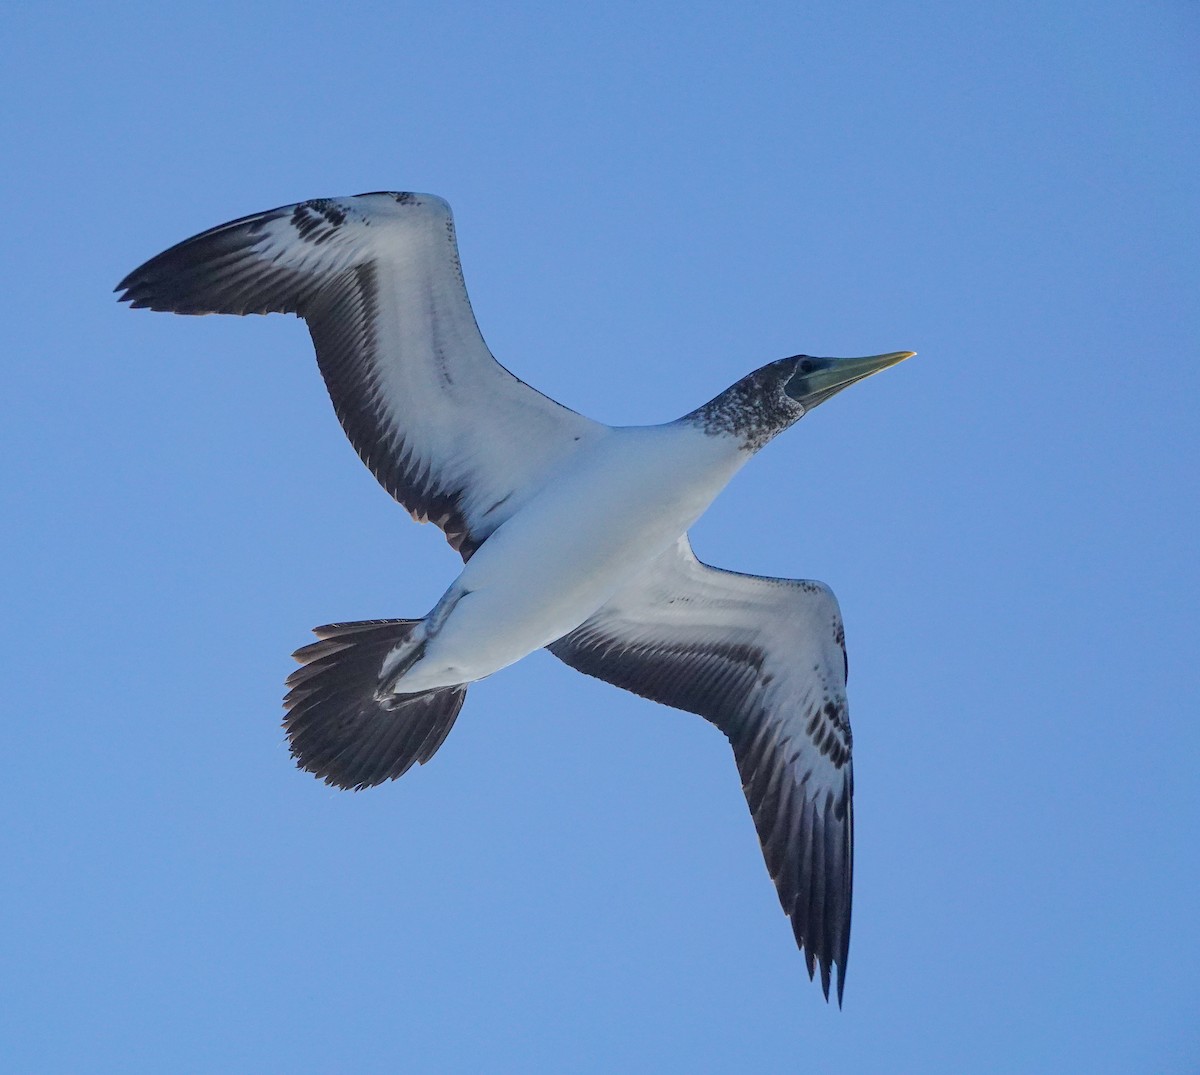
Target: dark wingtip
<point x="216" y="271"/>
<point x="132" y="288"/>
<point x="828" y="979"/>
<point x="124" y="290"/>
<point x="128" y="291"/>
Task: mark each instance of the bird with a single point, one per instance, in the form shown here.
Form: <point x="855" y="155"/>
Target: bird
<point x="573" y="533"/>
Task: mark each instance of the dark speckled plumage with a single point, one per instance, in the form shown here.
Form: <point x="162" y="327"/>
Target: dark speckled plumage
<point x="755" y="409"/>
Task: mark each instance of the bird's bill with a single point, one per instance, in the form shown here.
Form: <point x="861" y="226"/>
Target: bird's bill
<point x="816" y="379"/>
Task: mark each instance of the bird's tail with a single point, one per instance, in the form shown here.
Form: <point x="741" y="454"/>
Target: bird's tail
<point x="337" y="727"/>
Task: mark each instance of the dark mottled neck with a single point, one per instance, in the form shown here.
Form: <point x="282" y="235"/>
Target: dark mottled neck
<point x="754" y="410"/>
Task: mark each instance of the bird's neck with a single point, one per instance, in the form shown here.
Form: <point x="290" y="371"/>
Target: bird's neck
<point x="753" y="411"/>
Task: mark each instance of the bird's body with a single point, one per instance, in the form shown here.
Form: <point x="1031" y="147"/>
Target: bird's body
<point x="573" y="533"/>
<point x="623" y="501"/>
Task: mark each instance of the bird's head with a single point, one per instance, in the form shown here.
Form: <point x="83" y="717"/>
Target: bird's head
<point x="764" y="403"/>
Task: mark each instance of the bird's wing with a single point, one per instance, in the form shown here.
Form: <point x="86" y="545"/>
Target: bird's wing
<point x="764" y="660"/>
<point x="447" y="430"/>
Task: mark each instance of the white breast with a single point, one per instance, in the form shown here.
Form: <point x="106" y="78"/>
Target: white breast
<point x="592" y="529"/>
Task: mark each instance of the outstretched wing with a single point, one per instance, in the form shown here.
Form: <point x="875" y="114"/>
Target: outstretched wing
<point x="447" y="430"/>
<point x="764" y="660"/>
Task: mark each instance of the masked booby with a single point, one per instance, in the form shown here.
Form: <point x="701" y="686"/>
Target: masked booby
<point x="573" y="533"/>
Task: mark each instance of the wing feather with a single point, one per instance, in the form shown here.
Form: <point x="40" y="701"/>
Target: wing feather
<point x="448" y="431"/>
<point x="763" y="659"/>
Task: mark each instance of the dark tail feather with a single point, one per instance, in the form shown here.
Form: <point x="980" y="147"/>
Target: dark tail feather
<point x="338" y="730"/>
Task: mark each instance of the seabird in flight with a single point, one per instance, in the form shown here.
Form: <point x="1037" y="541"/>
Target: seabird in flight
<point x="573" y="533"/>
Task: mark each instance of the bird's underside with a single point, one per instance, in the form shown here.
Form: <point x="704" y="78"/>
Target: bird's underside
<point x="573" y="533"/>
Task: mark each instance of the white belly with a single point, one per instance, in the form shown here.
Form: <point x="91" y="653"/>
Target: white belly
<point x="560" y="558"/>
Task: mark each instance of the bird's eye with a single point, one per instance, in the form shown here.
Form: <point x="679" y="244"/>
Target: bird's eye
<point x="806" y="366"/>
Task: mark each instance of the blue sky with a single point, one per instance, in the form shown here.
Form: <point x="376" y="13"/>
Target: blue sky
<point x="650" y="203"/>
